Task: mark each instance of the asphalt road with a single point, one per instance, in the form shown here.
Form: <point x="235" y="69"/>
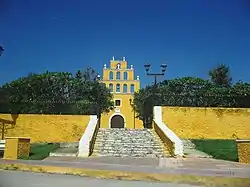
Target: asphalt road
<point x="27" y="179"/>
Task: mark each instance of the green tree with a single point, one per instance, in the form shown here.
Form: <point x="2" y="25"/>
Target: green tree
<point x="55" y="93"/>
<point x="220" y="75"/>
<point x="191" y="92"/>
<point x="38" y="93"/>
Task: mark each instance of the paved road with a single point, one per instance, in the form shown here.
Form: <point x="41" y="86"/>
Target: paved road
<point x="27" y="179"/>
<point x="198" y="167"/>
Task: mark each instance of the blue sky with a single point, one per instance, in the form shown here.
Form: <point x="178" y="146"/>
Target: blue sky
<point x="189" y="36"/>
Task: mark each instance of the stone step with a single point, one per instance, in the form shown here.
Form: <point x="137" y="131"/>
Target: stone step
<point x="98" y="142"/>
<point x="188" y="144"/>
<point x="128" y="147"/>
<point x="128" y="140"/>
<point x="130" y="151"/>
<point x="69" y="145"/>
<point x="133" y="155"/>
<point x="128" y="144"/>
<point x="65" y="151"/>
<point x="129" y="154"/>
<point x="122" y="129"/>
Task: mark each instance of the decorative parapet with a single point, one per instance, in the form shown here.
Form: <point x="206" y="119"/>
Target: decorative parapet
<point x="87" y="140"/>
<point x="243" y="147"/>
<point x="172" y="142"/>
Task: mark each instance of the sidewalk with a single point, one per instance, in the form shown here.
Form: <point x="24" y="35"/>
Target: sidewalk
<point x="186" y="166"/>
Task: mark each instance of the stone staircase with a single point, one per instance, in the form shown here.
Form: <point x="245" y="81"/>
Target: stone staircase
<point x="129" y="142"/>
<point x="190" y="150"/>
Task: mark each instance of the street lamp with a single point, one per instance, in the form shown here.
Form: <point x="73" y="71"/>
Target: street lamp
<point x="132" y="104"/>
<point x="98" y="107"/>
<point x="163" y="70"/>
<point x="1" y="50"/>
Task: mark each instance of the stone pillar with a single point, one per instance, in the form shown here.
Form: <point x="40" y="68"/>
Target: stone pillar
<point x="243" y="147"/>
<point x="16" y="147"/>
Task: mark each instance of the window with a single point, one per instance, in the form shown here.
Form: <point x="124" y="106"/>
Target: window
<point x="111" y="75"/>
<point x="125" y="75"/>
<point x="118" y="75"/>
<point x="118" y="89"/>
<point x="132" y="88"/>
<point x="111" y="87"/>
<point x="125" y="88"/>
<point x="117" y="102"/>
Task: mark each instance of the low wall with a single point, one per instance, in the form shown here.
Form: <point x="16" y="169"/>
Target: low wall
<point x="86" y="144"/>
<point x="243" y="147"/>
<point x="170" y="139"/>
<point x="44" y="128"/>
<point x="16" y="147"/>
<point x="210" y="123"/>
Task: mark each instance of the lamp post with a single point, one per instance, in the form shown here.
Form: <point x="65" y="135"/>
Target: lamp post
<point x="155" y="75"/>
<point x="98" y="108"/>
<point x="132" y="104"/>
<point x="1" y="50"/>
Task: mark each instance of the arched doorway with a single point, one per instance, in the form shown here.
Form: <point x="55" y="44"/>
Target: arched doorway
<point x="117" y="121"/>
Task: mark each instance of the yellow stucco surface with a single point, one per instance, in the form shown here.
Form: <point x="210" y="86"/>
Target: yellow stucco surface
<point x="126" y="111"/>
<point x="46" y="128"/>
<point x="11" y="148"/>
<point x="214" y="123"/>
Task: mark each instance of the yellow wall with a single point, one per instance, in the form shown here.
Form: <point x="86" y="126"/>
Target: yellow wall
<point x="126" y="111"/>
<point x="47" y="128"/>
<point x="214" y="123"/>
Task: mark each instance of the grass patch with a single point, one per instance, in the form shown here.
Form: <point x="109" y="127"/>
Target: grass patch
<point x="219" y="149"/>
<point x="39" y="151"/>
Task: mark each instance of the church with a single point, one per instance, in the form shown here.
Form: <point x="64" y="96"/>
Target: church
<point x="119" y="77"/>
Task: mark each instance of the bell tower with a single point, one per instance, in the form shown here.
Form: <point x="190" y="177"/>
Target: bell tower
<point x="119" y="77"/>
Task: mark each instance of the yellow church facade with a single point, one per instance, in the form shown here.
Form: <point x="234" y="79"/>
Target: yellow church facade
<point x="120" y="79"/>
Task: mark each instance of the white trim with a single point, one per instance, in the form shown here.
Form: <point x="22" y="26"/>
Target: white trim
<point x="2" y="145"/>
<point x="84" y="144"/>
<point x="115" y="89"/>
<point x="178" y="144"/>
<point x="119" y="114"/>
<point x="242" y="141"/>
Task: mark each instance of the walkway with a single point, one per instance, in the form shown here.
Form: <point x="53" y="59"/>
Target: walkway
<point x="26" y="179"/>
<point x="189" y="166"/>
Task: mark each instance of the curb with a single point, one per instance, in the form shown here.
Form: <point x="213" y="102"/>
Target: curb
<point x="208" y="181"/>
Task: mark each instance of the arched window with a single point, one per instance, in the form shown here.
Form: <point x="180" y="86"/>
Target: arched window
<point x="111" y="87"/>
<point x="118" y="75"/>
<point x="118" y="66"/>
<point x="125" y="88"/>
<point x="125" y="75"/>
<point x="132" y="88"/>
<point x="111" y="75"/>
<point x="118" y="88"/>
